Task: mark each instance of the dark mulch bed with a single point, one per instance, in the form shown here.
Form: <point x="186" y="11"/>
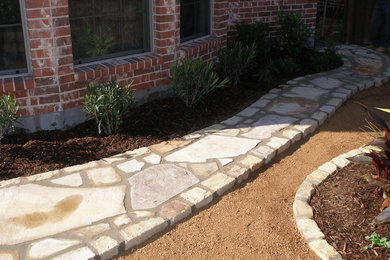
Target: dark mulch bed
<point x="344" y="206"/>
<point x="157" y="121"/>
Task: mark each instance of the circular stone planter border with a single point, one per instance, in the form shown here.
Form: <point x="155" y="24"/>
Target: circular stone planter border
<point x="303" y="212"/>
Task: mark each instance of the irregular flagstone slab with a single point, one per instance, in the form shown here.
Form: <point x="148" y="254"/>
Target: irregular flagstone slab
<point x="374" y="63"/>
<point x="103" y="176"/>
<point x="73" y="180"/>
<point x="265" y="126"/>
<point x="34" y="211"/>
<point x="168" y="146"/>
<point x="46" y="247"/>
<point x="131" y="166"/>
<point x="327" y="83"/>
<point x="157" y="184"/>
<point x="306" y="93"/>
<point x="213" y="146"/>
<point x="8" y="255"/>
<point x="366" y="70"/>
<point x="289" y="106"/>
<point x="153" y="159"/>
<point x="92" y="231"/>
<point x="204" y="169"/>
<point x="121" y="220"/>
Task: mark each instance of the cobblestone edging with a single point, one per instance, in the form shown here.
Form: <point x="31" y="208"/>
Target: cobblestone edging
<point x="101" y="208"/>
<point x="303" y="212"/>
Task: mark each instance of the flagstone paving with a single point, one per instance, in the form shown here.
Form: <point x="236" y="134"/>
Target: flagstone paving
<point x="105" y="206"/>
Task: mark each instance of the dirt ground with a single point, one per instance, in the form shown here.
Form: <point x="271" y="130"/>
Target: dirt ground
<point x="254" y="221"/>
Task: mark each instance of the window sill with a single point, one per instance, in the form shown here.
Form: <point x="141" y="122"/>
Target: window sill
<point x="105" y="68"/>
<point x="16" y="84"/>
<point x="198" y="46"/>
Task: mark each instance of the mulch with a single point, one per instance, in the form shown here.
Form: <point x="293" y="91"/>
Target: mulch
<point x="344" y="207"/>
<point x="151" y="123"/>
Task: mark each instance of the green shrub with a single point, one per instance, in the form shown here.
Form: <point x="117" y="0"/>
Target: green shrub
<point x="107" y="103"/>
<point x="267" y="71"/>
<point x="8" y="110"/>
<point x="234" y="61"/>
<point x="325" y="60"/>
<point x="288" y="65"/>
<point x="293" y="34"/>
<point x="193" y="79"/>
<point x="257" y="33"/>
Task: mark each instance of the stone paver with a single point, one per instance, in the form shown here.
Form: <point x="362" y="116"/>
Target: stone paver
<point x="96" y="209"/>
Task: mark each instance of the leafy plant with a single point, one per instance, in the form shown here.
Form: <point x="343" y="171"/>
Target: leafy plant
<point x="8" y="110"/>
<point x="257" y="33"/>
<point x="267" y="71"/>
<point x="234" y="61"/>
<point x="101" y="41"/>
<point x="107" y="103"/>
<point x="325" y="60"/>
<point x="193" y="79"/>
<point x="379" y="157"/>
<point x="288" y="65"/>
<point x="293" y="34"/>
<point x="376" y="241"/>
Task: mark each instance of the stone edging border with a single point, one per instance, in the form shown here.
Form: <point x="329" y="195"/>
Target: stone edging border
<point x="303" y="212"/>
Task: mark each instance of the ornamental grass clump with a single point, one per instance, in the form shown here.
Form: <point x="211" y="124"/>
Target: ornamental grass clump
<point x="107" y="103"/>
<point x="234" y="61"/>
<point x="194" y="79"/>
<point x="8" y="110"/>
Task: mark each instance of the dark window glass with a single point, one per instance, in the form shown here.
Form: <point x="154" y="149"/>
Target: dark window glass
<point x="108" y="28"/>
<point x="12" y="51"/>
<point x="194" y="19"/>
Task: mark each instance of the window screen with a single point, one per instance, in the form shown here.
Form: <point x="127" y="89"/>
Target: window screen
<point x="194" y="19"/>
<point x="107" y="28"/>
<point x="12" y="51"/>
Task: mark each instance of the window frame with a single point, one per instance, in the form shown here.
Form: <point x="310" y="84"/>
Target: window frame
<point x="28" y="68"/>
<point x="146" y="34"/>
<point x="209" y="23"/>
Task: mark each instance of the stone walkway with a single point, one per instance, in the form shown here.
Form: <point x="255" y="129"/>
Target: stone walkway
<point x="107" y="206"/>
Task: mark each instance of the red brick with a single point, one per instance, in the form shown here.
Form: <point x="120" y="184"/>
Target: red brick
<point x="38" y="13"/>
<point x="49" y="99"/>
<point x="30" y="4"/>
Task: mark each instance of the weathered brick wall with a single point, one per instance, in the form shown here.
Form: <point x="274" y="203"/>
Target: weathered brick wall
<point x="267" y="11"/>
<point x="55" y="85"/>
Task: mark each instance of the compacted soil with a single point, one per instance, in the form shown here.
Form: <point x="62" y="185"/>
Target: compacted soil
<point x="255" y="220"/>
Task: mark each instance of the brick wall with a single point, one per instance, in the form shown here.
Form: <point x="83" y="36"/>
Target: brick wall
<point x="55" y="85"/>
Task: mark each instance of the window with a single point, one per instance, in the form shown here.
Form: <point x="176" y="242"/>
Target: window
<point x="194" y="19"/>
<point x="108" y="28"/>
<point x="12" y="46"/>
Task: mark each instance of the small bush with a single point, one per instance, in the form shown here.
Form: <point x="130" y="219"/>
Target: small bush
<point x="267" y="71"/>
<point x="193" y="79"/>
<point x="293" y="34"/>
<point x="234" y="61"/>
<point x="107" y="103"/>
<point x="257" y="33"/>
<point x="325" y="60"/>
<point x="8" y="110"/>
<point x="288" y="65"/>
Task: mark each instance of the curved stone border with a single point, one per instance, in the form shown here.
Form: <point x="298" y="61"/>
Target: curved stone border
<point x="139" y="193"/>
<point x="303" y="212"/>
